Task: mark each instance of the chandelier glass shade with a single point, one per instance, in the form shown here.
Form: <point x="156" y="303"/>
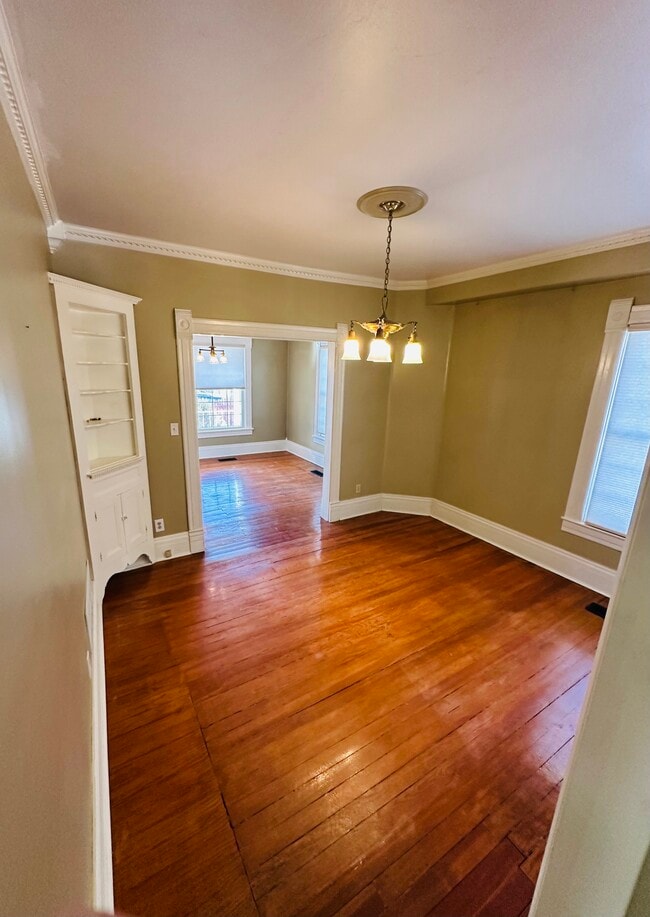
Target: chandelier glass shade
<point x="386" y="203"/>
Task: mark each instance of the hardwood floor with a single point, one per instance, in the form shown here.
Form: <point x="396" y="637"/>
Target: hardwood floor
<point x="361" y="719"/>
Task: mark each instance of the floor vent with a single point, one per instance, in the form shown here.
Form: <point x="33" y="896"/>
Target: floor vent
<point x="318" y="473"/>
<point x="597" y="609"/>
<point x="228" y="458"/>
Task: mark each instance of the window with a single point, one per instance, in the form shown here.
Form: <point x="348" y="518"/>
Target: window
<point x="320" y="408"/>
<point x="223" y="389"/>
<point x="617" y="432"/>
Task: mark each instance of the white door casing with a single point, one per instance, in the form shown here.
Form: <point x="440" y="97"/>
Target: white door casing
<point x="186" y="327"/>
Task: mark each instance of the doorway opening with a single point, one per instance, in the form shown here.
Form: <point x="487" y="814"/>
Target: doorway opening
<point x="260" y="405"/>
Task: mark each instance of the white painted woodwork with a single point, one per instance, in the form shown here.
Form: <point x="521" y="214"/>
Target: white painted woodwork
<point x="103" y="387"/>
<point x="621" y="317"/>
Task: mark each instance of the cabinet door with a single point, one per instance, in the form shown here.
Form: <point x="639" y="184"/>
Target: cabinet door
<point x="108" y="544"/>
<point x="134" y="522"/>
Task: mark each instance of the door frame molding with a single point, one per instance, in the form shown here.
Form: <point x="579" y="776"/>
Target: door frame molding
<point x="186" y="326"/>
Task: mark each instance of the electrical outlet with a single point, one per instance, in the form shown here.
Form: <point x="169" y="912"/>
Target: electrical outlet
<point x="173" y="429"/>
<point x="357" y="488"/>
<point x="159" y="525"/>
<point x="168" y="553"/>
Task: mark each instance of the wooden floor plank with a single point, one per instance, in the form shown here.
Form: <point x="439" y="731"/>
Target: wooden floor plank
<point x="291" y="735"/>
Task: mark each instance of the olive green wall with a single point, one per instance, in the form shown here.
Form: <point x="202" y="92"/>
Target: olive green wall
<point x="640" y="902"/>
<point x="301" y="394"/>
<point x="268" y="396"/>
<point x="416" y="401"/>
<point x="213" y="291"/>
<point x="521" y="372"/>
<point x="45" y="720"/>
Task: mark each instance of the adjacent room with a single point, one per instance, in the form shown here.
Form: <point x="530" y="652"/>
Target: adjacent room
<point x="324" y="458"/>
<point x="261" y="424"/>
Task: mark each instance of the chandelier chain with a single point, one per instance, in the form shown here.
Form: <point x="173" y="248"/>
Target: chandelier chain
<point x="384" y="299"/>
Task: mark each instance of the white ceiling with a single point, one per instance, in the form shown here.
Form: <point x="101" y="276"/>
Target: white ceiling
<point x="252" y="126"/>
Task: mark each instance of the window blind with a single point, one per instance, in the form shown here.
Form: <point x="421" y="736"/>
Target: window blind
<point x="221" y="375"/>
<point x="626" y="438"/>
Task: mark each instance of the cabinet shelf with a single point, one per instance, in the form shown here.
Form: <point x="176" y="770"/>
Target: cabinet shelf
<point x="98" y="334"/>
<point x="104" y="391"/>
<point x="91" y="424"/>
<point x="107" y="463"/>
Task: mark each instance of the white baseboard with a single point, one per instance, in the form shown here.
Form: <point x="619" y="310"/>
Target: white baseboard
<point x="309" y="455"/>
<point x="359" y="506"/>
<point x="197" y="541"/>
<point x="571" y="566"/>
<point x="399" y="503"/>
<point x="178" y="545"/>
<point x="102" y="840"/>
<point x="271" y="445"/>
<point x="227" y="451"/>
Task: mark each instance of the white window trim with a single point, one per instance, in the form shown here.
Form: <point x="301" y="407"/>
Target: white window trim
<point x="316" y="437"/>
<point x="246" y="429"/>
<point x="621" y="318"/>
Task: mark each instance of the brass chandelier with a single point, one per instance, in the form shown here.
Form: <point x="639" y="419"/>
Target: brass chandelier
<point x="387" y="203"/>
<point x="215" y="355"/>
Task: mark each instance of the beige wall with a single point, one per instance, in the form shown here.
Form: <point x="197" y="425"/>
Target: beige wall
<point x="45" y="787"/>
<point x="491" y="422"/>
<point x="212" y="291"/>
<point x="301" y="394"/>
<point x="521" y="372"/>
<point x="416" y="401"/>
<point x="268" y="395"/>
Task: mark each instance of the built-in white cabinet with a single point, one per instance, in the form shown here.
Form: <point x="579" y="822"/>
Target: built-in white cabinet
<point x="103" y="386"/>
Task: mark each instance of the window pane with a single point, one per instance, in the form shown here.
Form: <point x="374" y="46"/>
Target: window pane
<point x="625" y="443"/>
<point x="219" y="408"/>
<point x="220" y="375"/>
<point x="321" y="381"/>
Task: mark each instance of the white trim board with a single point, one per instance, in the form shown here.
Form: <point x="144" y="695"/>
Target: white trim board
<point x="605" y="244"/>
<point x="178" y="544"/>
<point x="358" y="506"/>
<point x="102" y="838"/>
<point x="60" y="232"/>
<point x="304" y="452"/>
<point x="232" y="449"/>
<point x="270" y="445"/>
<point x="14" y="102"/>
<point x="578" y="569"/>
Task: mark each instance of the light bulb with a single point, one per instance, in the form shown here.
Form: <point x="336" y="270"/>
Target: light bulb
<point x="223" y="358"/>
<point x="213" y="357"/>
<point x="379" y="351"/>
<point x="413" y="352"/>
<point x="351" y="348"/>
<point x="199" y="357"/>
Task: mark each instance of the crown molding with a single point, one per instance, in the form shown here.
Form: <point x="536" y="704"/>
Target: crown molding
<point x="62" y="232"/>
<point x="622" y="240"/>
<point x="14" y="103"/>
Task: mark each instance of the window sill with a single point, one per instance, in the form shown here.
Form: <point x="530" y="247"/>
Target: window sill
<point x="318" y="439"/>
<point x="215" y="434"/>
<point x="591" y="533"/>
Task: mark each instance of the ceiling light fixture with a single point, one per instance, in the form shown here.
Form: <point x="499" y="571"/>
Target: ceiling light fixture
<point x="215" y="356"/>
<point x="386" y="204"/>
